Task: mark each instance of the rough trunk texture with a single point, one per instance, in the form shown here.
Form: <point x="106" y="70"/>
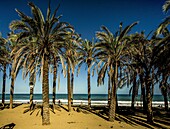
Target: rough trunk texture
<point x="72" y="85"/>
<point x="134" y="91"/>
<point x="112" y="110"/>
<point x="54" y="81"/>
<point x="31" y="98"/>
<point x="12" y="89"/>
<point x="149" y="100"/>
<point x="45" y="91"/>
<point x="143" y="93"/>
<point x="31" y="90"/>
<point x="109" y="90"/>
<point x="89" y="88"/>
<point x="117" y="106"/>
<point x="164" y="91"/>
<point x="69" y="88"/>
<point x="4" y="85"/>
<point x="165" y="100"/>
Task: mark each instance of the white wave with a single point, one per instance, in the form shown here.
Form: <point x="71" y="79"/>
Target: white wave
<point x="93" y="102"/>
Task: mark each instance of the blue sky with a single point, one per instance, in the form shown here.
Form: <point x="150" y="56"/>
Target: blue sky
<point x="86" y="16"/>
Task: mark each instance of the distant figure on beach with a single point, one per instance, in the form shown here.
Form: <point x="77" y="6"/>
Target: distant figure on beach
<point x="59" y="102"/>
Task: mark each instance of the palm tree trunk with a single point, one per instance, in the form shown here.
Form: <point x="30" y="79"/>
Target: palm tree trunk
<point x="143" y="93"/>
<point x="112" y="110"/>
<point x="72" y="85"/>
<point x="68" y="87"/>
<point x="4" y="85"/>
<point x="134" y="91"/>
<point x="31" y="80"/>
<point x="45" y="91"/>
<point x="12" y="87"/>
<point x="54" y="81"/>
<point x="149" y="100"/>
<point x="165" y="100"/>
<point x="109" y="89"/>
<point x="164" y="91"/>
<point x="117" y="106"/>
<point x="89" y="87"/>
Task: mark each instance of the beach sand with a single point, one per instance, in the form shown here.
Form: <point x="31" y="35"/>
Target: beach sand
<point x="60" y="120"/>
<point x="21" y="118"/>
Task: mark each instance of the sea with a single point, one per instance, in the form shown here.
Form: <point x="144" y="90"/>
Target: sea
<point x="81" y="99"/>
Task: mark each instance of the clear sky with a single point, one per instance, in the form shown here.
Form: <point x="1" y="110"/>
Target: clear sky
<point x="86" y="16"/>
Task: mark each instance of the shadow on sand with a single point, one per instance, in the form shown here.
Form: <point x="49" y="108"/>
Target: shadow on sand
<point x="8" y="126"/>
<point x="38" y="108"/>
<point x="134" y="118"/>
<point x="6" y="106"/>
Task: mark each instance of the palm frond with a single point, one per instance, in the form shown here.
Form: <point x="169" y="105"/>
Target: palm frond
<point x="38" y="16"/>
<point x="126" y="30"/>
<point x="166" y="6"/>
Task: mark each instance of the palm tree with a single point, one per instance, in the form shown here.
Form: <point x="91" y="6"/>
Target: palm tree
<point x="86" y="55"/>
<point x="47" y="34"/>
<point x="113" y="50"/>
<point x="3" y="61"/>
<point x="70" y="57"/>
<point x="162" y="52"/>
<point x="13" y="63"/>
<point x="161" y="62"/>
<point x="143" y="53"/>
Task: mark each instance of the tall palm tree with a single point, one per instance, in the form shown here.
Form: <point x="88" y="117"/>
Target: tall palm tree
<point x="70" y="57"/>
<point x="13" y="63"/>
<point x="143" y="53"/>
<point x="162" y="63"/>
<point x="113" y="50"/>
<point x="3" y="62"/>
<point x="86" y="55"/>
<point x="162" y="52"/>
<point x="47" y="34"/>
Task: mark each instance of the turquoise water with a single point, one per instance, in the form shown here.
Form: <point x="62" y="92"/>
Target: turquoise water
<point x="95" y="97"/>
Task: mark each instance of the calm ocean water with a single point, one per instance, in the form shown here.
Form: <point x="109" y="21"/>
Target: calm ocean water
<point x="96" y="99"/>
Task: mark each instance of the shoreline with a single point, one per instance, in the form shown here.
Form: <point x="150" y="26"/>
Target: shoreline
<point x="93" y="102"/>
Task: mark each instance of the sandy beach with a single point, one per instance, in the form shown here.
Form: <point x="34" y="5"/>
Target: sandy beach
<point x="61" y="119"/>
<point x="80" y="118"/>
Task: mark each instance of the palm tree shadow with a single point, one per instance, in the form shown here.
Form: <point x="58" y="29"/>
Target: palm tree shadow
<point x="8" y="126"/>
<point x="63" y="107"/>
<point x="139" y="118"/>
<point x="100" y="111"/>
<point x="6" y="106"/>
<point x="37" y="107"/>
